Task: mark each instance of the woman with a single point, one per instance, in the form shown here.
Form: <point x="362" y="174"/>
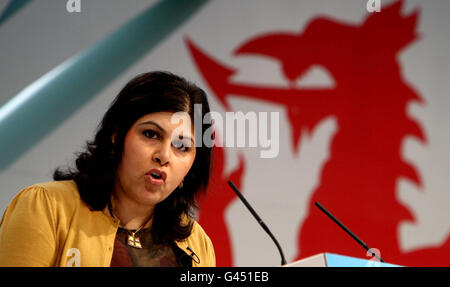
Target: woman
<point x="131" y="197"/>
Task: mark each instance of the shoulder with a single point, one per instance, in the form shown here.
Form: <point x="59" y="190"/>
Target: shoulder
<point x="65" y="189"/>
<point x="56" y="193"/>
<point x="198" y="231"/>
<point x="31" y="225"/>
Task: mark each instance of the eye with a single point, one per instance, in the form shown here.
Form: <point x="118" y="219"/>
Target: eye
<point x="150" y="134"/>
<point x="181" y="145"/>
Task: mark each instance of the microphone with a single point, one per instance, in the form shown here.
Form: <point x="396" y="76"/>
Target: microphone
<point x="263" y="225"/>
<point x="360" y="242"/>
<point x="193" y="256"/>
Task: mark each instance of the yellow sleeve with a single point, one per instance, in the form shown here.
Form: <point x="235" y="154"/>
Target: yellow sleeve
<point x="28" y="230"/>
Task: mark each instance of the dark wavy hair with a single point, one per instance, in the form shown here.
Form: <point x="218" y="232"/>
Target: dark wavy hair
<point x="96" y="166"/>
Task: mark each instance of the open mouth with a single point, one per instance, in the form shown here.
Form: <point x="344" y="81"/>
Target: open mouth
<point x="156" y="176"/>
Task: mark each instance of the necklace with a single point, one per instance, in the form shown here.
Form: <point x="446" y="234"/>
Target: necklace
<point x="132" y="239"/>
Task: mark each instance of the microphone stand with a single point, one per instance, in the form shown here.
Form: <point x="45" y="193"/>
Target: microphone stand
<point x="263" y="225"/>
<point x="360" y="242"/>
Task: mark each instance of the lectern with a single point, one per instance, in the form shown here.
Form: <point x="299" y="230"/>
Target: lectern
<point x="335" y="260"/>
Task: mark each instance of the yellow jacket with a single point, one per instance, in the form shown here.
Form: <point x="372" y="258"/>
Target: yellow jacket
<point x="48" y="224"/>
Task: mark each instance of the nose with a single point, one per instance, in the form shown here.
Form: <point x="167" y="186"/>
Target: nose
<point x="162" y="154"/>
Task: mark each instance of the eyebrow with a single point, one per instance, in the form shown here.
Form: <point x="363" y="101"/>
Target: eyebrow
<point x="164" y="131"/>
<point x="154" y="124"/>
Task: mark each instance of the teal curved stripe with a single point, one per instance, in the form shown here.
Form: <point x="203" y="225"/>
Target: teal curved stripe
<point x="13" y="7"/>
<point x="42" y="106"/>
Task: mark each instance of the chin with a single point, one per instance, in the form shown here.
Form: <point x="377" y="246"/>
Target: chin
<point x="152" y="196"/>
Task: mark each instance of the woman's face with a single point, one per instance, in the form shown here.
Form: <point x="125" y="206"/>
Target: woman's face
<point x="157" y="155"/>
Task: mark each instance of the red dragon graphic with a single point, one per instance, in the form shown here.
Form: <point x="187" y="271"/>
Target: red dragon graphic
<point x="358" y="183"/>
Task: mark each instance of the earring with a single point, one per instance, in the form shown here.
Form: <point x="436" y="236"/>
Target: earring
<point x="181" y="184"/>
